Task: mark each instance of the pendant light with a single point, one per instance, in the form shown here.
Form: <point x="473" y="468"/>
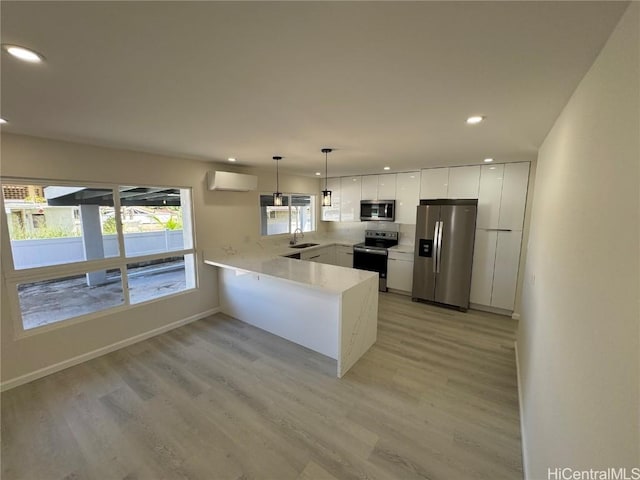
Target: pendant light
<point x="326" y="193"/>
<point x="277" y="195"/>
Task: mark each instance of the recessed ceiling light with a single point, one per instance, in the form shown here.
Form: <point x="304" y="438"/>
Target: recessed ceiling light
<point x="387" y="168"/>
<point x="488" y="160"/>
<point x="231" y="159"/>
<point x="475" y="119"/>
<point x="23" y="53"/>
<point x="318" y="174"/>
<point x="2" y="121"/>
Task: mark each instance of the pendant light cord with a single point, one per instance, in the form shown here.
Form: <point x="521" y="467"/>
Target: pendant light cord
<point x="326" y="170"/>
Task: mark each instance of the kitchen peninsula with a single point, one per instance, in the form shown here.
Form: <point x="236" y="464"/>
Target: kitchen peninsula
<point x="329" y="309"/>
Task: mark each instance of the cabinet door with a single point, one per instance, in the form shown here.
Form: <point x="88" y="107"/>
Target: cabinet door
<point x="399" y="274"/>
<point x="434" y="183"/>
<point x="489" y="196"/>
<point x="344" y="257"/>
<point x="505" y="276"/>
<point x="407" y="197"/>
<point x="386" y="186"/>
<point x="350" y="199"/>
<point x="370" y="187"/>
<point x="484" y="257"/>
<point x="514" y="195"/>
<point x="330" y="255"/>
<point x="464" y="182"/>
<point x="332" y="213"/>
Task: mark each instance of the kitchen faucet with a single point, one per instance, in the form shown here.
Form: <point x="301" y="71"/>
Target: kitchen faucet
<point x="295" y="238"/>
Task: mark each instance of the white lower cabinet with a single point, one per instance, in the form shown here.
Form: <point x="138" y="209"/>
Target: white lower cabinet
<point x="344" y="256"/>
<point x="400" y="271"/>
<point x="496" y="257"/>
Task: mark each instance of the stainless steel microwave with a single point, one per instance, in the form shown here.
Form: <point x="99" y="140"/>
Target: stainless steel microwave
<point x="377" y="210"/>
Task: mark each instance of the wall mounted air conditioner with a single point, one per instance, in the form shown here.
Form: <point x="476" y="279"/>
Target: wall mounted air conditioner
<point x="235" y="182"/>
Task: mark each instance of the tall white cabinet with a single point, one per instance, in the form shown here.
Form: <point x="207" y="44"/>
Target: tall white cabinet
<point x="502" y="198"/>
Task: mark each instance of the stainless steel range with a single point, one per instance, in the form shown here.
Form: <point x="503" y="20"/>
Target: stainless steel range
<point x="372" y="253"/>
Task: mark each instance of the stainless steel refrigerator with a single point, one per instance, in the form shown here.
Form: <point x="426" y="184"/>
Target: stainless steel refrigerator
<point x="445" y="234"/>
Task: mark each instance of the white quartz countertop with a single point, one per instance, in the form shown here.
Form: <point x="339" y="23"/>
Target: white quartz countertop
<point x="403" y="248"/>
<point x="268" y="261"/>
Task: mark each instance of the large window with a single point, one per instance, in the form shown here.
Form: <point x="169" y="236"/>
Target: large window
<point x="74" y="256"/>
<point x="296" y="213"/>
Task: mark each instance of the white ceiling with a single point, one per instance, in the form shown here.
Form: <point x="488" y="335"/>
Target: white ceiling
<point x="385" y="83"/>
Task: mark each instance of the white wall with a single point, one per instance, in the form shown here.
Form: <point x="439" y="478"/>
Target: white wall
<point x="221" y="218"/>
<point x="578" y="342"/>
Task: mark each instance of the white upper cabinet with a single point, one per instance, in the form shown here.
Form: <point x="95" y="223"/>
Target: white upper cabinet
<point x="503" y="196"/>
<point x="489" y="196"/>
<point x="332" y="213"/>
<point x="370" y="187"/>
<point x="379" y="187"/>
<point x="350" y="195"/>
<point x="407" y="197"/>
<point x="434" y="183"/>
<point x="386" y="187"/>
<point x="514" y="195"/>
<point x="464" y="182"/>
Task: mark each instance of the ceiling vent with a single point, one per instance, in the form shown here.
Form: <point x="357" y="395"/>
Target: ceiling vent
<point x="230" y="181"/>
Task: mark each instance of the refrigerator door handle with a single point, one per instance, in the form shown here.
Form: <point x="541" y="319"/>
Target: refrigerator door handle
<point x="435" y="248"/>
<point x="439" y="250"/>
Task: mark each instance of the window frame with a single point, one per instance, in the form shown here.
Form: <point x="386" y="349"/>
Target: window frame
<point x="15" y="277"/>
<point x="314" y="210"/>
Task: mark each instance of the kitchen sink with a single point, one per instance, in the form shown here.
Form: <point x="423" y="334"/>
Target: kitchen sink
<point x="304" y="245"/>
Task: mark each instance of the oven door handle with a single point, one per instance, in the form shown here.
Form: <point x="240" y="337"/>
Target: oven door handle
<point x="370" y="250"/>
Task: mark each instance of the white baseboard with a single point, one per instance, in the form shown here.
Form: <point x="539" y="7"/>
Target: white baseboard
<point x="43" y="372"/>
<point x="486" y="308"/>
<point x="525" y="462"/>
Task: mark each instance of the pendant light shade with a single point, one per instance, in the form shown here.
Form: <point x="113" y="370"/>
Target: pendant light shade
<point x="326" y="193"/>
<point x="277" y="195"/>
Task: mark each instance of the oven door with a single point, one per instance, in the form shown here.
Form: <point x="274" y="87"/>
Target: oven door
<point x="374" y="260"/>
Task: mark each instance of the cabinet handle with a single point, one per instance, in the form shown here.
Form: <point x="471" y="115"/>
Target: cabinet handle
<point x="392" y="259"/>
<point x="350" y="253"/>
<point x="311" y="258"/>
<point x="498" y="230"/>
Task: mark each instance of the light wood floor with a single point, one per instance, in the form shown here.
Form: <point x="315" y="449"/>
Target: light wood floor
<point x="434" y="398"/>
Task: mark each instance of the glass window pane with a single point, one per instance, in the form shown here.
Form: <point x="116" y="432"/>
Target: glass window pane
<point x="51" y="301"/>
<point x="47" y="224"/>
<point x="157" y="278"/>
<point x="274" y="220"/>
<point x="302" y="211"/>
<point x="155" y="219"/>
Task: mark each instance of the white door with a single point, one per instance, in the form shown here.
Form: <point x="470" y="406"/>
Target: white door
<point x="514" y="195"/>
<point x="489" y="196"/>
<point x="386" y="186"/>
<point x="400" y="274"/>
<point x="434" y="183"/>
<point x="344" y="256"/>
<point x="370" y="187"/>
<point x="350" y="192"/>
<point x="484" y="257"/>
<point x="464" y="182"/>
<point x="505" y="276"/>
<point x="407" y="197"/>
